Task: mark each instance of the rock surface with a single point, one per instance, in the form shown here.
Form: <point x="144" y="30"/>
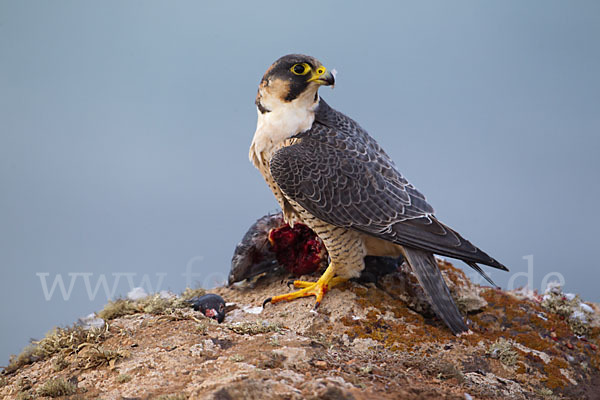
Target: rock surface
<point x="364" y="342"/>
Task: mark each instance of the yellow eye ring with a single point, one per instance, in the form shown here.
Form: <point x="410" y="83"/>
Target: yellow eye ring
<point x="300" y="69"/>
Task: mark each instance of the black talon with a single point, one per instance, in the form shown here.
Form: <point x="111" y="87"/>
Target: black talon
<point x="290" y="282"/>
<point x="266" y="301"/>
<point x="317" y="304"/>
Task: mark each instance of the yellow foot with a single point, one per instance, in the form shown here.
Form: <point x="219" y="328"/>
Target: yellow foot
<point x="317" y="289"/>
<point x="304" y="284"/>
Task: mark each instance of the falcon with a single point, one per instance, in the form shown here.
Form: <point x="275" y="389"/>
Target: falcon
<point x="328" y="173"/>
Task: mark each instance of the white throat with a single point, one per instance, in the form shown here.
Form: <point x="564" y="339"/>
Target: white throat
<point x="284" y="120"/>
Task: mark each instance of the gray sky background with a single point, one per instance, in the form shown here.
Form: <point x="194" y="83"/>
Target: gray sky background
<point x="125" y="127"/>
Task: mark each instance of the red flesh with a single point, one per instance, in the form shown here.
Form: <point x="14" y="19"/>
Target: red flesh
<point x="297" y="249"/>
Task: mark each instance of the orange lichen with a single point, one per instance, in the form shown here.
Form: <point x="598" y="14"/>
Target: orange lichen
<point x="533" y="341"/>
<point x="554" y="378"/>
<point x="507" y="316"/>
<point x="391" y="334"/>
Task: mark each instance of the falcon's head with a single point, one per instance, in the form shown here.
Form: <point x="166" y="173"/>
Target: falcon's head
<point x="292" y="78"/>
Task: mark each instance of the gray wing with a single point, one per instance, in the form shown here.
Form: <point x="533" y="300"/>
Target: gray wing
<point x="338" y="173"/>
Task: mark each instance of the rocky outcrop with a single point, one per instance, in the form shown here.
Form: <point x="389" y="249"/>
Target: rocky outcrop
<point x="366" y="341"/>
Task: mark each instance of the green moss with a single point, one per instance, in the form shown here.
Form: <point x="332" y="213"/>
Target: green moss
<point x="59" y="363"/>
<point x="189" y="294"/>
<point x="172" y="397"/>
<point x="547" y="394"/>
<point x="27" y="356"/>
<point x="58" y="340"/>
<point x="446" y="370"/>
<point x="366" y="370"/>
<point x="580" y="327"/>
<point x="152" y="304"/>
<point x="202" y="328"/>
<point x="57" y="387"/>
<point x="93" y="356"/>
<point x="272" y="360"/>
<point x="236" y="358"/>
<point x="67" y="340"/>
<point x="557" y="303"/>
<point x="254" y="328"/>
<point x="502" y="350"/>
<point x="118" y="308"/>
<point x="578" y="320"/>
<point x="23" y="384"/>
<point x="123" y="378"/>
<point x="156" y="304"/>
<point x="24" y="396"/>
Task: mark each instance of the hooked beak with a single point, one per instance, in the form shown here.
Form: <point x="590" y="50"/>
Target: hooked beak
<point x="322" y="76"/>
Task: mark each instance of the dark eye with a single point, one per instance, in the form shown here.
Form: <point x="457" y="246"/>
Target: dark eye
<point x="300" y="69"/>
